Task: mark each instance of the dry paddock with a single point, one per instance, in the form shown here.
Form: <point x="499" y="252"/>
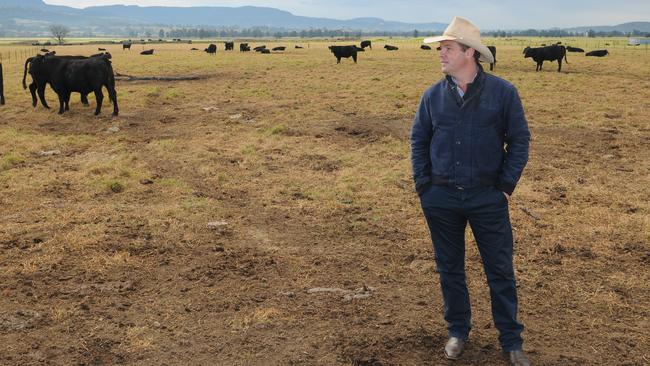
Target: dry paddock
<point x="264" y="214"/>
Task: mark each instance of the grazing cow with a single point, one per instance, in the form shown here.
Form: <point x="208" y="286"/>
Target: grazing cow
<point x="212" y="49"/>
<point x="493" y="51"/>
<point x="194" y="49"/>
<point x="243" y="47"/>
<point x="147" y="52"/>
<point x="597" y="53"/>
<point x="543" y="44"/>
<point x="101" y="49"/>
<point x="229" y="46"/>
<point x="76" y="75"/>
<point x="390" y="48"/>
<point x="548" y="53"/>
<point x="39" y="84"/>
<point x="297" y="47"/>
<point x="45" y="50"/>
<point x="266" y="50"/>
<point x="280" y="48"/>
<point x="574" y="49"/>
<point x="344" y="51"/>
<point x="126" y="46"/>
<point x="259" y="48"/>
<point x="425" y="47"/>
<point x="2" y="91"/>
<point x="365" y="44"/>
<point x="104" y="54"/>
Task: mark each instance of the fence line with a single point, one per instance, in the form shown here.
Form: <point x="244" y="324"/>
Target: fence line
<point x="17" y="56"/>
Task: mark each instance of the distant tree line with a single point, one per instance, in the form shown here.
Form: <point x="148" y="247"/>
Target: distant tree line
<point x="557" y="33"/>
<point x="12" y="29"/>
<point x="266" y="32"/>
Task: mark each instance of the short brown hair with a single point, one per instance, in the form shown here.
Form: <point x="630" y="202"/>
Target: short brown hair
<point x="477" y="54"/>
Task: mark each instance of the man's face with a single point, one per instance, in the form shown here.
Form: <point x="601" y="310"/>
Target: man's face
<point x="453" y="58"/>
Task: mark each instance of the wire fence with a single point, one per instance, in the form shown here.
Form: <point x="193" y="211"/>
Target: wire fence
<point x="17" y="55"/>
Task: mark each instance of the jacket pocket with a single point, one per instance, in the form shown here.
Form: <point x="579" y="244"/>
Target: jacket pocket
<point x="488" y="153"/>
<point x="441" y="151"/>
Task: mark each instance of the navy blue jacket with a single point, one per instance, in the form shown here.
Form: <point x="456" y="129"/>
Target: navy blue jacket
<point x="479" y="140"/>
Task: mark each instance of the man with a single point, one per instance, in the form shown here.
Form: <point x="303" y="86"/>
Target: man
<point x="469" y="146"/>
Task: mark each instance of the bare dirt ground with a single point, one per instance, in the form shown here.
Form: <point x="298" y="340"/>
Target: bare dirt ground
<point x="265" y="215"/>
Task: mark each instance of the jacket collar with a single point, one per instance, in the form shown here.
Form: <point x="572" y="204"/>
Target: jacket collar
<point x="475" y="87"/>
<point x="479" y="79"/>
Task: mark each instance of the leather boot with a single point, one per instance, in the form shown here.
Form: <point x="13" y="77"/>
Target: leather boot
<point x="454" y="348"/>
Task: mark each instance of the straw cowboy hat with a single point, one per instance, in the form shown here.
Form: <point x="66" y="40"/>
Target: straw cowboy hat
<point x="463" y="31"/>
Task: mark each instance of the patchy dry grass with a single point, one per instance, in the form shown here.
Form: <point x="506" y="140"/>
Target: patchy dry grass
<point x="190" y="233"/>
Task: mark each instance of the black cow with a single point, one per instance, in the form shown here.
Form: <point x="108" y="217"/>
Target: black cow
<point x="243" y="47"/>
<point x="259" y="48"/>
<point x="493" y="51"/>
<point x="574" y="49"/>
<point x="45" y="50"/>
<point x="390" y="48"/>
<point x="548" y="53"/>
<point x="194" y="49"/>
<point x="126" y="46"/>
<point x="147" y="52"/>
<point x="597" y="53"/>
<point x="76" y="75"/>
<point x="280" y="48"/>
<point x="344" y="51"/>
<point x="425" y="47"/>
<point x="212" y="49"/>
<point x="297" y="47"/>
<point x="229" y="46"/>
<point x="365" y="44"/>
<point x="101" y="49"/>
<point x="101" y="54"/>
<point x="266" y="50"/>
<point x="38" y="85"/>
<point x="2" y="91"/>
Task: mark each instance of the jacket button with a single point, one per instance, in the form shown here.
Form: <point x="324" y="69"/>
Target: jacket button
<point x="457" y="142"/>
<point x="458" y="163"/>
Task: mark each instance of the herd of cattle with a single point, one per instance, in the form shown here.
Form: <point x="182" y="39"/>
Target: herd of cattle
<point x="83" y="75"/>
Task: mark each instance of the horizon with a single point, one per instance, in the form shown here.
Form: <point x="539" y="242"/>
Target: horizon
<point x="491" y="15"/>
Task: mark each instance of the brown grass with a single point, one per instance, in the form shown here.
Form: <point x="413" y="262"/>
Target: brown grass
<point x="307" y="162"/>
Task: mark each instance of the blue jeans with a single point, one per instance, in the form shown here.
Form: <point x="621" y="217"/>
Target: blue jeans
<point x="447" y="211"/>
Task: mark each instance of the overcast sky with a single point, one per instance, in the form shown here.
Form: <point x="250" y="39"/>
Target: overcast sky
<point x="487" y="14"/>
